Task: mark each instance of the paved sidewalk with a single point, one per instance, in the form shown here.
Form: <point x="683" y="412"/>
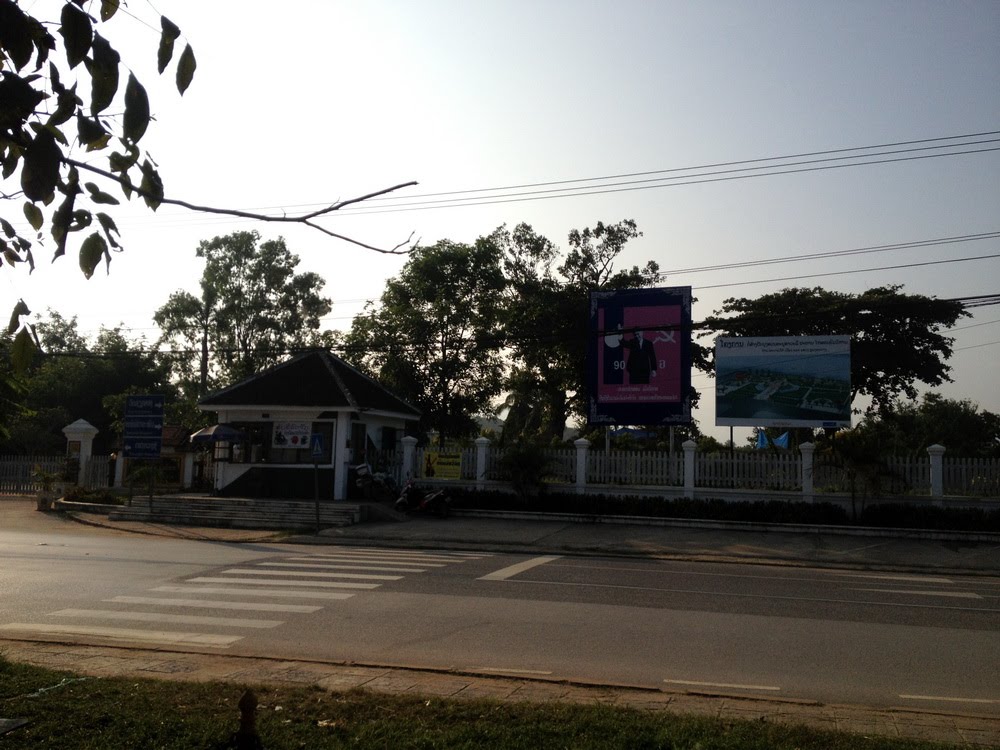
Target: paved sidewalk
<point x="966" y="730"/>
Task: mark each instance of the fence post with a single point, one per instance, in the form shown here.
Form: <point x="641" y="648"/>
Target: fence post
<point x="936" y="453"/>
<point x="80" y="445"/>
<point x="689" y="447"/>
<point x="807" y="450"/>
<point x="582" y="445"/>
<point x="482" y="448"/>
<point x="409" y="449"/>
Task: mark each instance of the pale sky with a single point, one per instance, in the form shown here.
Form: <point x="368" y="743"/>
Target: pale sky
<point x="304" y="103"/>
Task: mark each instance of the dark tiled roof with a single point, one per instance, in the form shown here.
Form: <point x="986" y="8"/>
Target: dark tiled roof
<point x="317" y="378"/>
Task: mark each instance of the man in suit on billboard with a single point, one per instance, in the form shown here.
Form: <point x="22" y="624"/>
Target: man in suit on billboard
<point x="641" y="359"/>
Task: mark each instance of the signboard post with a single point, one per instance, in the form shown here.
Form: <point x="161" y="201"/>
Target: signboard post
<point x="316" y="446"/>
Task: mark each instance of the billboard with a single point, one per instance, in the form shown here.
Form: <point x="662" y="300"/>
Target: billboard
<point x="783" y="381"/>
<point x="639" y="357"/>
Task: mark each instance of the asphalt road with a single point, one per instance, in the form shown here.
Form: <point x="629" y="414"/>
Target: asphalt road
<point x="848" y="636"/>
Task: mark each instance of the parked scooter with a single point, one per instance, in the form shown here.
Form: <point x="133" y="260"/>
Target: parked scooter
<point x="375" y="485"/>
<point x="415" y="500"/>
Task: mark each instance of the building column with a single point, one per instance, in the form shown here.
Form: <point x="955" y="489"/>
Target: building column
<point x="80" y="445"/>
<point x="689" y="447"/>
<point x="340" y="453"/>
<point x="936" y="452"/>
<point x="482" y="451"/>
<point x="807" y="450"/>
<point x="409" y="453"/>
<point x="582" y="446"/>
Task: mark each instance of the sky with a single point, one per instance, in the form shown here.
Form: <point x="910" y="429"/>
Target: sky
<point x="297" y="105"/>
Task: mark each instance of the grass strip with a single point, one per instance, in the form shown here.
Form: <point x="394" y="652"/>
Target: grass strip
<point x="94" y="713"/>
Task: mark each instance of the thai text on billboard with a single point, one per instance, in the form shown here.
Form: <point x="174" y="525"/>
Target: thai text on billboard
<point x="783" y="381"/>
<point x="640" y="356"/>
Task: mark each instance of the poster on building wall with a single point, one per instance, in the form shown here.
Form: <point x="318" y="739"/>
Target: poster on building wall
<point x="783" y="381"/>
<point x="291" y="434"/>
<point x="639" y="357"/>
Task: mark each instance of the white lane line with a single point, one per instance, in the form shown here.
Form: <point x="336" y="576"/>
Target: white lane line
<point x="209" y="604"/>
<point x="397" y="559"/>
<point x="504" y="573"/>
<point x="328" y="566"/>
<point x="317" y="584"/>
<point x="948" y="699"/>
<point x="238" y="591"/>
<point x="406" y="553"/>
<point x="729" y="685"/>
<point x="953" y="594"/>
<point x="505" y="670"/>
<point x="128" y="634"/>
<point x="306" y="573"/>
<point x="914" y="579"/>
<point x="741" y="595"/>
<point x="226" y="622"/>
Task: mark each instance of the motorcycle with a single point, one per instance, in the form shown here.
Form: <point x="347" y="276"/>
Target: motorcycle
<point x="415" y="500"/>
<point x="374" y="485"/>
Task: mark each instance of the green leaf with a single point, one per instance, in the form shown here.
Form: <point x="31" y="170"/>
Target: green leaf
<point x="97" y="196"/>
<point x="94" y="248"/>
<point x="169" y="33"/>
<point x="103" y="67"/>
<point x="151" y="186"/>
<point x="40" y="172"/>
<point x="34" y="216"/>
<point x="90" y="130"/>
<point x="110" y="229"/>
<point x="8" y="228"/>
<point x="136" y="118"/>
<point x="61" y="219"/>
<point x="15" y="34"/>
<point x="108" y="9"/>
<point x="11" y="257"/>
<point x="77" y="33"/>
<point x="22" y="351"/>
<point x="15" y="319"/>
<point x="185" y="69"/>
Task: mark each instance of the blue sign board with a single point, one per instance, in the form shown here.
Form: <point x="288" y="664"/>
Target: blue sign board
<point x="316" y="443"/>
<point x="134" y="447"/>
<point x="143" y="426"/>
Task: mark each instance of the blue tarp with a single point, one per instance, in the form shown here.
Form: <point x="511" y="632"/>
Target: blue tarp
<point x="763" y="441"/>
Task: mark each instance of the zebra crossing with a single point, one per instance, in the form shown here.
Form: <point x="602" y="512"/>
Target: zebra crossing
<point x="252" y="594"/>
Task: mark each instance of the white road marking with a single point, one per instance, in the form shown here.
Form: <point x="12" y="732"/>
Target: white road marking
<point x="741" y="595"/>
<point x="948" y="699"/>
<point x="306" y="573"/>
<point x="504" y="573"/>
<point x="227" y="622"/>
<point x="953" y="594"/>
<point x="728" y="685"/>
<point x="255" y="592"/>
<point x="128" y="634"/>
<point x="405" y="553"/>
<point x="505" y="670"/>
<point x="359" y="566"/>
<point x="404" y="559"/>
<point x="209" y="604"/>
<point x="915" y="579"/>
<point x="318" y="584"/>
<point x="327" y="559"/>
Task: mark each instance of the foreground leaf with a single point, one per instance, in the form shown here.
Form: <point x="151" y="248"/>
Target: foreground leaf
<point x="94" y="248"/>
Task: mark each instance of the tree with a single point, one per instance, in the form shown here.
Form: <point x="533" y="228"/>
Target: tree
<point x="546" y="318"/>
<point x="76" y="378"/>
<point x="47" y="120"/>
<point x="253" y="309"/>
<point x="896" y="338"/>
<point x="434" y="338"/>
<point x="909" y="428"/>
